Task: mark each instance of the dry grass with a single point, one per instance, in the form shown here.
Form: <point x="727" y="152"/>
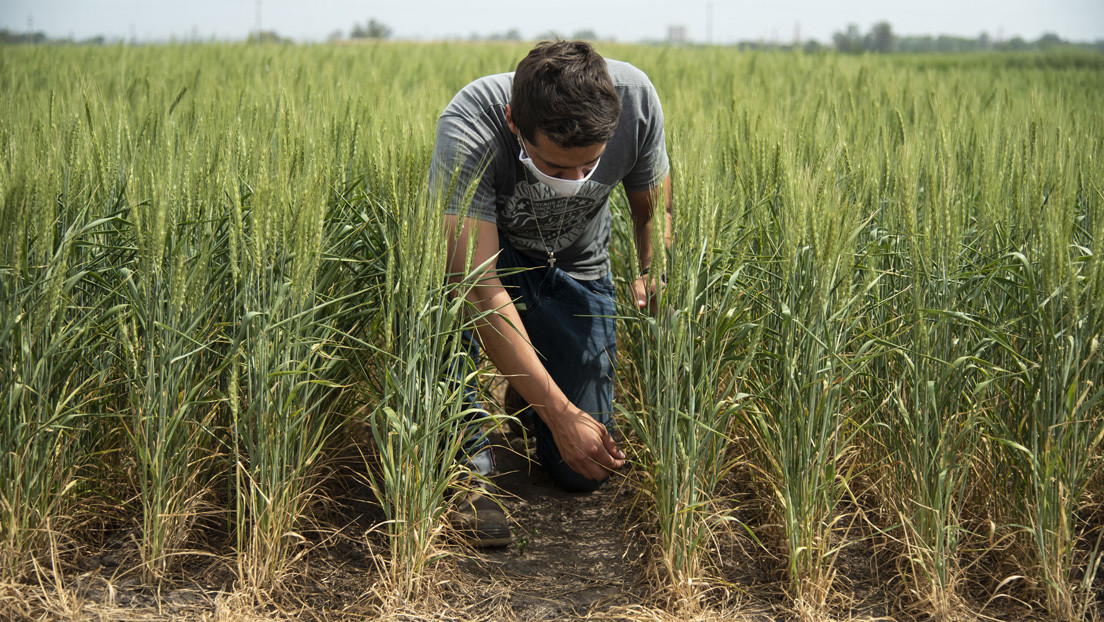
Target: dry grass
<point x="337" y="578"/>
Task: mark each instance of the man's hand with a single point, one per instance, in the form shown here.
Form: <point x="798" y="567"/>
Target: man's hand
<point x="642" y="203"/>
<point x="586" y="445"/>
<point x="646" y="290"/>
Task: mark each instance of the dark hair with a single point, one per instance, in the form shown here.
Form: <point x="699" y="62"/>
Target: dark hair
<point x="564" y="89"/>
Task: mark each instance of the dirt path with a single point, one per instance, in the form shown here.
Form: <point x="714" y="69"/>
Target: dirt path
<point x="572" y="552"/>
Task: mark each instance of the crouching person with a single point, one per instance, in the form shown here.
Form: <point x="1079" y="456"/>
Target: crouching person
<point x="524" y="163"/>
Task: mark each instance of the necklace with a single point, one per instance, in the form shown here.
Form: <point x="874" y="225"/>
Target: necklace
<point x="547" y="247"/>
<point x="524" y="158"/>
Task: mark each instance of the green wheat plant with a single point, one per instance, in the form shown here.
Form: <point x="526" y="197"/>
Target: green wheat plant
<point x="283" y="371"/>
<point x="934" y="358"/>
<point x="416" y="372"/>
<point x="49" y="331"/>
<point x="929" y="431"/>
<point x="166" y="329"/>
<point x="687" y="362"/>
<point x="1055" y="427"/>
<point x="803" y="432"/>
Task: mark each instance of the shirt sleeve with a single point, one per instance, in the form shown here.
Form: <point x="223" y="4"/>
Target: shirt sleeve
<point x="652" y="164"/>
<point x="457" y="171"/>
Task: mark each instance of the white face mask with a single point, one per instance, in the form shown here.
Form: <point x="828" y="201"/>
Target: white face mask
<point x="562" y="187"/>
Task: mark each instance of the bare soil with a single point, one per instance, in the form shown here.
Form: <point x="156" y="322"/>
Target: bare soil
<point x="572" y="553"/>
<point x="574" y="556"/>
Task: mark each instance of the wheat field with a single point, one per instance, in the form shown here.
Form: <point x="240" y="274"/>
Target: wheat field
<point x="881" y="329"/>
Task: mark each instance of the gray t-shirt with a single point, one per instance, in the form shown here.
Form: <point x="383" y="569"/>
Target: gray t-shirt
<point x="475" y="146"/>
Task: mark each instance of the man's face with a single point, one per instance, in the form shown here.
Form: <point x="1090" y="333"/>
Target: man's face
<point x="562" y="162"/>
<point x="556" y="161"/>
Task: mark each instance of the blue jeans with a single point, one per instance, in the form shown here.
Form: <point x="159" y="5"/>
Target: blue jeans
<point x="571" y="325"/>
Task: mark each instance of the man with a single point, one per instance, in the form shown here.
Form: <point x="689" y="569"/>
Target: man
<point x="525" y="163"/>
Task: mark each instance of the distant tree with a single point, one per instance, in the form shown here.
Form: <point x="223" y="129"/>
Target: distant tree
<point x="336" y="35"/>
<point x="948" y="45"/>
<point x="984" y="42"/>
<point x="915" y="44"/>
<point x="374" y="29"/>
<point x="585" y="35"/>
<point x="512" y="34"/>
<point x="1048" y="41"/>
<point x="880" y="39"/>
<point x="848" y="42"/>
<point x="812" y="46"/>
<point x="8" y="36"/>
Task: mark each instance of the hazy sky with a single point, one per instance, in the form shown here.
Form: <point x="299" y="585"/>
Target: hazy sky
<point x="722" y="21"/>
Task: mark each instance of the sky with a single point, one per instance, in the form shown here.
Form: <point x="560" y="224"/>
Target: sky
<point x="706" y="21"/>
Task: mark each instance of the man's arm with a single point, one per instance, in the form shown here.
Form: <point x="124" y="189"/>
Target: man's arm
<point x="642" y="207"/>
<point x="585" y="444"/>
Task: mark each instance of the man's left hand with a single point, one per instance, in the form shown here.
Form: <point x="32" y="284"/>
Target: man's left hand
<point x="646" y="291"/>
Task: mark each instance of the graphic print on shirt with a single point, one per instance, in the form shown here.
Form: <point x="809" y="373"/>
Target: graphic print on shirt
<point x="536" y="220"/>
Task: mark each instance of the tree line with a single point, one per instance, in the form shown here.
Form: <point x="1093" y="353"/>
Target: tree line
<point x="879" y="39"/>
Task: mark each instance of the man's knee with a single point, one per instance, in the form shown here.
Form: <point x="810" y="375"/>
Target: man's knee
<point x="570" y="481"/>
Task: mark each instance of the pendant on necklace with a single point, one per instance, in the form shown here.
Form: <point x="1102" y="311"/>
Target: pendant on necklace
<point x="551" y="260"/>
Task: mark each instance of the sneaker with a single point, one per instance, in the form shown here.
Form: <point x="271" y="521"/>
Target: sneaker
<point x="480" y="521"/>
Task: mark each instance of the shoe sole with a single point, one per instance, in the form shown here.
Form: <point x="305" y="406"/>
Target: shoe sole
<point x="489" y="543"/>
<point x="490" y="535"/>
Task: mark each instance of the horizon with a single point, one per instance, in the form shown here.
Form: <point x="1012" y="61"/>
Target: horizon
<point x="703" y="21"/>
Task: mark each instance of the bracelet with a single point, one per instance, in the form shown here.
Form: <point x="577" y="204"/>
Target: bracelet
<point x="662" y="278"/>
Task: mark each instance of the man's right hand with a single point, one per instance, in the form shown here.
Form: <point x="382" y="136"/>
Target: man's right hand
<point x="585" y="445"/>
